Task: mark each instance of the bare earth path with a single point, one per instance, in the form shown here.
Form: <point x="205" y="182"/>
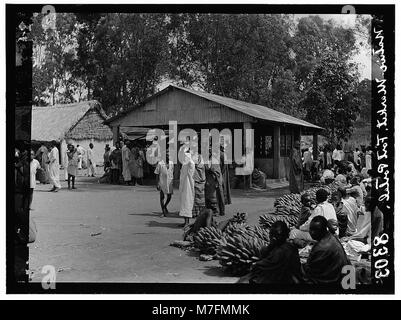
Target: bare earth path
<point x="106" y="233"/>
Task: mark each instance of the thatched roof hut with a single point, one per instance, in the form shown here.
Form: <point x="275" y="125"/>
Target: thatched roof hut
<point x="78" y="121"/>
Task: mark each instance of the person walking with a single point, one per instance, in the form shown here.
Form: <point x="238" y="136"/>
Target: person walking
<point x="91" y="161"/>
<point x="54" y="167"/>
<point x="164" y="178"/>
<point x="72" y="155"/>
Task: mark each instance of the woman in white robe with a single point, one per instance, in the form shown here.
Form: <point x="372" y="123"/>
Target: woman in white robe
<point x="187" y="187"/>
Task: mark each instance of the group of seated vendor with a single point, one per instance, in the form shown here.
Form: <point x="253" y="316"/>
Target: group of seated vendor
<point x="321" y="226"/>
<point x="280" y="262"/>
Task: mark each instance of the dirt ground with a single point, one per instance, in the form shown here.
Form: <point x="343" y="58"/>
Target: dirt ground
<point x="108" y="233"/>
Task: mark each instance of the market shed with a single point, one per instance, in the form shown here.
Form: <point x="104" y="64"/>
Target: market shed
<point x="274" y="132"/>
<point x="81" y="123"/>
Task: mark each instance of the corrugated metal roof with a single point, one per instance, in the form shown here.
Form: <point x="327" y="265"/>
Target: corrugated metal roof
<point x="52" y="123"/>
<point x="254" y="110"/>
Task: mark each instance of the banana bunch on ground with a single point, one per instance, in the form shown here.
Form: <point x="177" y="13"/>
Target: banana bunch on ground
<point x="239" y="217"/>
<point x="208" y="239"/>
<point x="290" y="204"/>
<point x="266" y="220"/>
<point x="239" y="251"/>
<point x="235" y="228"/>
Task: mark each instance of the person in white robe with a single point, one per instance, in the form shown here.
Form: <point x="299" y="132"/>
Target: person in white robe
<point x="91" y="161"/>
<point x="125" y="152"/>
<point x="54" y="167"/>
<point x="187" y="187"/>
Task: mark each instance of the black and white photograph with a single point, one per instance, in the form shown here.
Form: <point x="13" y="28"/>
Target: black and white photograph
<point x="200" y="148"/>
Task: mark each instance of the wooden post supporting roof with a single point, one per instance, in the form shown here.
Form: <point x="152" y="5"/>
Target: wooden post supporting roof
<point x="276" y="152"/>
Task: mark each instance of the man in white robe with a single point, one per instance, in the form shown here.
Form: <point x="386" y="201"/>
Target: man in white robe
<point x="187" y="187"/>
<point x="91" y="161"/>
<point x="54" y="168"/>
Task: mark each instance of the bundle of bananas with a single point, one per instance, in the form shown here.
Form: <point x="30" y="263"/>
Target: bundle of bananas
<point x="239" y="217"/>
<point x="240" y="251"/>
<point x="208" y="239"/>
<point x="235" y="227"/>
<point x="290" y="204"/>
<point x="261" y="233"/>
<point x="266" y="220"/>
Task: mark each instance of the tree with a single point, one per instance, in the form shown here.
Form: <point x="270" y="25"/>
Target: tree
<point x="233" y="55"/>
<point x="331" y="101"/>
<point x="53" y="59"/>
<point x="123" y="56"/>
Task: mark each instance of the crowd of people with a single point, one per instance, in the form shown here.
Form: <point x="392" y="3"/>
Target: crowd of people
<point x="329" y="156"/>
<point x="351" y="213"/>
<point x="204" y="183"/>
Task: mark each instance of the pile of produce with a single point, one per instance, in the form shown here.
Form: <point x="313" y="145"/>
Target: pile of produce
<point x="208" y="239"/>
<point x="239" y="251"/>
<point x="266" y="220"/>
<point x="290" y="204"/>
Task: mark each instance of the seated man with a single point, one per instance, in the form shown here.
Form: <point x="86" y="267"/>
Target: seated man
<point x="372" y="225"/>
<point x="306" y="209"/>
<point x="327" y="176"/>
<point x="341" y="212"/>
<point x="324" y="209"/>
<point x="280" y="261"/>
<point x="327" y="257"/>
<point x="356" y="191"/>
<point x="352" y="210"/>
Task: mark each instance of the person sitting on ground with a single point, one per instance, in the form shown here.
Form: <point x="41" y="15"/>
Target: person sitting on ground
<point x="342" y="216"/>
<point x="372" y="225"/>
<point x="203" y="220"/>
<point x="356" y="191"/>
<point x="327" y="176"/>
<point x="258" y="179"/>
<point x="280" y="261"/>
<point x="324" y="209"/>
<point x="342" y="176"/>
<point x="306" y="209"/>
<point x="353" y="211"/>
<point x="327" y="257"/>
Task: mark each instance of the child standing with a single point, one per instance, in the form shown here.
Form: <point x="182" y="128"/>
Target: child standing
<point x="164" y="177"/>
<point x="73" y="160"/>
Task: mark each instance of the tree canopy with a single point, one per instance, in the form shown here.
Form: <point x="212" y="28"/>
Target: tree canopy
<point x="302" y="67"/>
